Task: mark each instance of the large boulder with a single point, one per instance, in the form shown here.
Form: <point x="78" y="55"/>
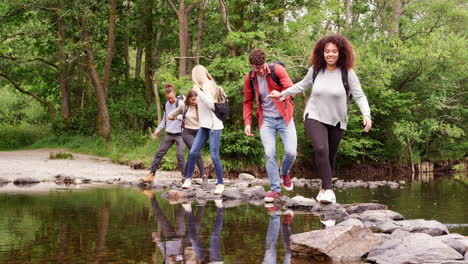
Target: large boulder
<point x="246" y="177"/>
<point x="357" y="208"/>
<point x="232" y="193"/>
<point x="431" y="227"/>
<point x="413" y="248"/>
<point x="375" y="218"/>
<point x="344" y="244"/>
<point x="455" y="241"/>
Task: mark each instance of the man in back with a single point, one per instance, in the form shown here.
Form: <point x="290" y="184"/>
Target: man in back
<point x="274" y="118"/>
<point x="173" y="135"/>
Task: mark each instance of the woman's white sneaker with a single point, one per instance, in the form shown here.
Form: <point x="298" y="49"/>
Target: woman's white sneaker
<point x="327" y="197"/>
<point x="219" y="189"/>
<point x="320" y="194"/>
<point x="187" y="184"/>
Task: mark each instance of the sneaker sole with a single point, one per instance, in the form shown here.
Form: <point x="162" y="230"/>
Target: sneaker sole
<point x="290" y="188"/>
<point x="326" y="201"/>
<point x="269" y="200"/>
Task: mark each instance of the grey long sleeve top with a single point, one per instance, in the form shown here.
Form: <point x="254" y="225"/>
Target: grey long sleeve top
<point x="328" y="101"/>
<point x="171" y="126"/>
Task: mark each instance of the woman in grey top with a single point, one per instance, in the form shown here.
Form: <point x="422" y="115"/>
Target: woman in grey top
<point x="326" y="112"/>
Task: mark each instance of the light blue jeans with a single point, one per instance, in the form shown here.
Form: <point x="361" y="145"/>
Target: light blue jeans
<point x="214" y="135"/>
<point x="270" y="129"/>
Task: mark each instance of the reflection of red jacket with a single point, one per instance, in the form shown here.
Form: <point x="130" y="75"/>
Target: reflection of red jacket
<point x="284" y="108"/>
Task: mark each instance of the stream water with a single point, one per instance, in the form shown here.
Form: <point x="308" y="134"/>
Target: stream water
<point x="126" y="225"/>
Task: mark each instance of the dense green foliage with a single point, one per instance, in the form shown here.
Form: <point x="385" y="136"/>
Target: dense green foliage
<point x="411" y="63"/>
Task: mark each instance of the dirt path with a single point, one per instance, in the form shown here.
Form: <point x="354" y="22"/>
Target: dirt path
<point x="36" y="164"/>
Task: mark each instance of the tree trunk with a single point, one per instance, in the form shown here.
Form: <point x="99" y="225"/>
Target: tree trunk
<point x="157" y="98"/>
<point x="127" y="39"/>
<point x="79" y="92"/>
<point x="408" y="142"/>
<point x="148" y="51"/>
<point x="110" y="47"/>
<point x="138" y="59"/>
<point x="63" y="68"/>
<point x="201" y="20"/>
<point x="230" y="44"/>
<point x="397" y="12"/>
<point x="348" y="13"/>
<point x="182" y="16"/>
<point x="101" y="96"/>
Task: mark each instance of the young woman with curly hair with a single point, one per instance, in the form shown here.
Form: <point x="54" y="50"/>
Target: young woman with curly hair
<point x="326" y="112"/>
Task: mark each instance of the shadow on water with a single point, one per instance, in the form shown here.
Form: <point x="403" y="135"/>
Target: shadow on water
<point x="125" y="225"/>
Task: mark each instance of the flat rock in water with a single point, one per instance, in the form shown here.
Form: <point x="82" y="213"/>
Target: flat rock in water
<point x="254" y="192"/>
<point x="351" y="222"/>
<point x="415" y="248"/>
<point x="343" y="244"/>
<point x="455" y="241"/>
<point x="375" y="218"/>
<point x="357" y="208"/>
<point x="331" y="211"/>
<point x="301" y="202"/>
<point x="231" y="193"/>
<point x="25" y="180"/>
<point x="432" y="227"/>
<point x="246" y="177"/>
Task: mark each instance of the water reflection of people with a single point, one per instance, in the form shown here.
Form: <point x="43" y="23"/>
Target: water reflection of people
<point x="273" y="233"/>
<point x="194" y="225"/>
<point x="170" y="240"/>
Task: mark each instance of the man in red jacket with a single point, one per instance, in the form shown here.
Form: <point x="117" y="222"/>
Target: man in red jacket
<point x="273" y="117"/>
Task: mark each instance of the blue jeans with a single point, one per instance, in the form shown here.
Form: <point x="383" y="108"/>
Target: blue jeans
<point x="214" y="135"/>
<point x="270" y="129"/>
<point x="272" y="238"/>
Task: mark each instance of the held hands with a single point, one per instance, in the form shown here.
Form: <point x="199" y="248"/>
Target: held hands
<point x="247" y="131"/>
<point x="276" y="96"/>
<point x="367" y="122"/>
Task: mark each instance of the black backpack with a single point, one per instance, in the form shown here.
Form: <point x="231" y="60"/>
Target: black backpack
<point x="344" y="79"/>
<point x="222" y="107"/>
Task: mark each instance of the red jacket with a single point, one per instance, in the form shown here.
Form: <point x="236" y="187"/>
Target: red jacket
<point x="284" y="108"/>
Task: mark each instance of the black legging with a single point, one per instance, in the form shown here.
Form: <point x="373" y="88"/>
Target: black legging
<point x="325" y="139"/>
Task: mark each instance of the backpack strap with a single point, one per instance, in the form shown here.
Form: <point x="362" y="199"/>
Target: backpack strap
<point x="252" y="82"/>
<point x="314" y="75"/>
<point x="273" y="74"/>
<point x="344" y="79"/>
<point x="183" y="115"/>
<point x="165" y="114"/>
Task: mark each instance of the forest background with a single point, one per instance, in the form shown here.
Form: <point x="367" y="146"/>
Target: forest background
<point x="89" y="75"/>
